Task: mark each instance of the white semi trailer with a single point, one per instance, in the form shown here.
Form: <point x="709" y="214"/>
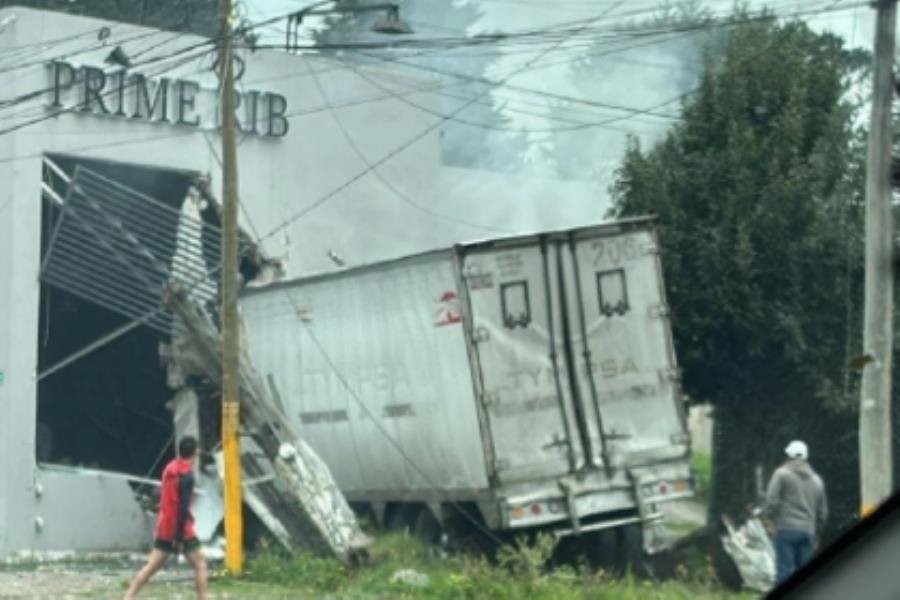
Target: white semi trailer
<point x="530" y="381"/>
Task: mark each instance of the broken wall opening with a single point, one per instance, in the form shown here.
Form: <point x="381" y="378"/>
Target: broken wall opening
<point x="108" y="409"/>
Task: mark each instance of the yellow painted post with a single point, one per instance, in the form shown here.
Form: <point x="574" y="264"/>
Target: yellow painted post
<point x="231" y="453"/>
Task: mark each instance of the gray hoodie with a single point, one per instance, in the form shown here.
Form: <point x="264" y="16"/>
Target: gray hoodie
<point x="795" y="499"/>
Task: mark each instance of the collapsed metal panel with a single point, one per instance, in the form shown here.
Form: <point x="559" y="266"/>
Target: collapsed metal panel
<point x="121" y="249"/>
<point x="136" y="256"/>
<point x="292" y="491"/>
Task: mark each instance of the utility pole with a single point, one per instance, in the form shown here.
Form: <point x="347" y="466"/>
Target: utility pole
<point x="875" y="461"/>
<point x="231" y="452"/>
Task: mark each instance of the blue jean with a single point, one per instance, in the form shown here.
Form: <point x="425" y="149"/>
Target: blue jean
<point x="792" y="550"/>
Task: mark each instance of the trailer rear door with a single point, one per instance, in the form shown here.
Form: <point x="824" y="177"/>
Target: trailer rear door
<point x="516" y="328"/>
<point x="622" y="338"/>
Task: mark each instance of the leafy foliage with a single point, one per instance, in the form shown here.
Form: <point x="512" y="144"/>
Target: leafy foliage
<point x="521" y="575"/>
<point x="758" y="191"/>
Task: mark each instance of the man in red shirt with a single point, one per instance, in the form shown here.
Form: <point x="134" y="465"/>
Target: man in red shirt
<point x="174" y="524"/>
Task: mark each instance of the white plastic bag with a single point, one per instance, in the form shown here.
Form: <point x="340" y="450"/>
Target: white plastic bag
<point x="753" y="553"/>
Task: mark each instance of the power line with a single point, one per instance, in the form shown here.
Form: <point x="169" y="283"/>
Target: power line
<point x="333" y="367"/>
<point x="22" y="98"/>
<point x="403" y="197"/>
<point x="28" y="96"/>
<point x="84" y="50"/>
<point x="503" y="83"/>
<point x="374" y="165"/>
<point x="54" y="113"/>
<point x="573" y="125"/>
<point x="551" y="33"/>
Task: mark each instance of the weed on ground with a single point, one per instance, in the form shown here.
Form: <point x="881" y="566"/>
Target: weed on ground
<point x="403" y="568"/>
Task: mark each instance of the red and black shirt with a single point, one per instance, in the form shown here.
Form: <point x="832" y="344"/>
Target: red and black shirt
<point x="175" y="522"/>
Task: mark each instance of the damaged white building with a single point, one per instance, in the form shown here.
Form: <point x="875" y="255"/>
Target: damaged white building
<point x="124" y="119"/>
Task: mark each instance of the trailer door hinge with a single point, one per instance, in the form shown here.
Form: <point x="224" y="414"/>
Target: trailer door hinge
<point x="659" y="311"/>
<point x="500" y="464"/>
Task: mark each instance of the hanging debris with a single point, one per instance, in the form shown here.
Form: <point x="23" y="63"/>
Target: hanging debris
<point x="123" y="250"/>
<point x="289" y="487"/>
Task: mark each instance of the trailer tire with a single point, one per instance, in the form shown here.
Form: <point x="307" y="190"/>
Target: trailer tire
<point x="427" y="528"/>
<point x="630" y="549"/>
<point x="401" y="517"/>
<point x="599" y="548"/>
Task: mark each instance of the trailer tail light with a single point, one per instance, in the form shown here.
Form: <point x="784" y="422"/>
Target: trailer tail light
<point x="526" y="511"/>
<point x="665" y="488"/>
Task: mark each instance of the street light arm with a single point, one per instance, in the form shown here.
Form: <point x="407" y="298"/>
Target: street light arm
<point x="390" y="7"/>
<point x="294" y="19"/>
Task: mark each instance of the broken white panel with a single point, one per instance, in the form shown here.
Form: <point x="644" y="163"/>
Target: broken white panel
<point x="208" y="507"/>
<point x="753" y="554"/>
<point x="187" y="264"/>
<point x="186" y="414"/>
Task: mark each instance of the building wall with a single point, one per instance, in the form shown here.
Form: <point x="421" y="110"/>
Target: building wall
<point x="304" y="194"/>
<point x="278" y="177"/>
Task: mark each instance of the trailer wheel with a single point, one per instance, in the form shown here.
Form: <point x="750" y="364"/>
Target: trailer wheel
<point x="600" y="548"/>
<point x="630" y="549"/>
<point x="619" y="550"/>
<point x="427" y="528"/>
<point x="401" y="517"/>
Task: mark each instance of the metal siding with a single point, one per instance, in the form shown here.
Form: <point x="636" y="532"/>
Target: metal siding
<point x="378" y="329"/>
<point x="19" y="338"/>
<point x="633" y="363"/>
<point x="526" y="416"/>
<point x="155" y="144"/>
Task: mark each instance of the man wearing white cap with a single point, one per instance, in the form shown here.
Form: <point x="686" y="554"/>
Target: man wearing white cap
<point x="795" y="501"/>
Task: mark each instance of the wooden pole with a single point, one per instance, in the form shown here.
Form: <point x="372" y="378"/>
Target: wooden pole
<point x="234" y="527"/>
<point x="875" y="461"/>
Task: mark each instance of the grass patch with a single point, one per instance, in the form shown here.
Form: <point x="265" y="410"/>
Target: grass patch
<point x="521" y="576"/>
<point x="701" y="464"/>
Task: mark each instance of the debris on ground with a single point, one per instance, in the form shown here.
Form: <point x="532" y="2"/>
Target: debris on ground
<point x="292" y="492"/>
<point x="410" y="577"/>
<point x="751" y="550"/>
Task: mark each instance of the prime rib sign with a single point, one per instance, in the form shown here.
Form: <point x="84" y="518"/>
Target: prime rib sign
<point x="122" y="94"/>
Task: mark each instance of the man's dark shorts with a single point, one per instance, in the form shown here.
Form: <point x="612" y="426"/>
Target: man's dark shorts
<point x="169" y="547"/>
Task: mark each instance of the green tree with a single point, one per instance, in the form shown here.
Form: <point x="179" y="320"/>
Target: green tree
<point x="192" y="16"/>
<point x="758" y="190"/>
